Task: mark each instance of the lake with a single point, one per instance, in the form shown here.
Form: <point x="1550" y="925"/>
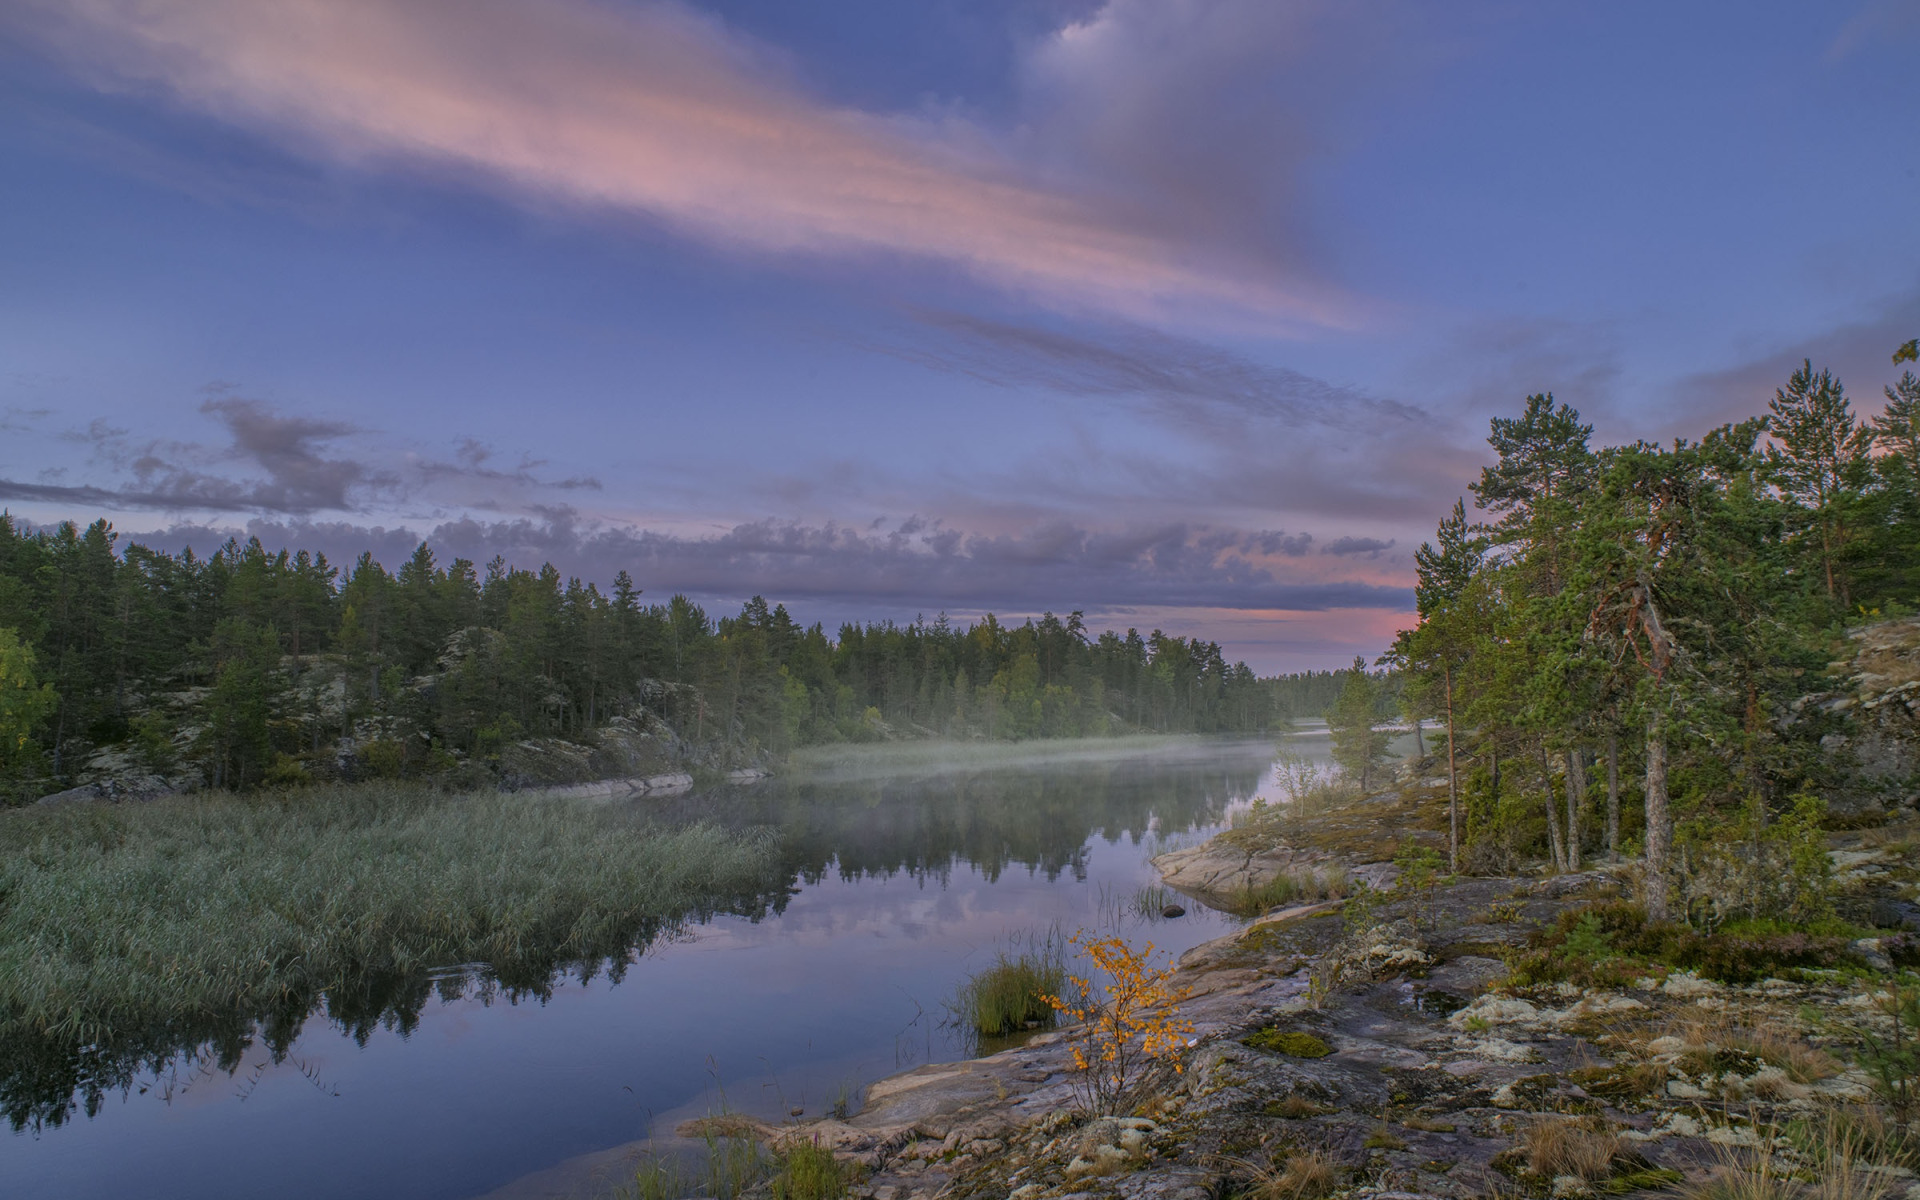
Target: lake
<point x="906" y="873"/>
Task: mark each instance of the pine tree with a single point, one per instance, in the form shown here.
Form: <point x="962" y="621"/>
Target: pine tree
<point x="1818" y="461"/>
<point x="1359" y="745"/>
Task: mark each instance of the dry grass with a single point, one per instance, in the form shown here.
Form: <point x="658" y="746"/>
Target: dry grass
<point x="1802" y="1062"/>
<point x="1308" y="1175"/>
<point x="1745" y="1175"/>
<point x="1843" y="1150"/>
<point x="1555" y="1148"/>
<point x="1369" y="829"/>
<point x="1297" y="1108"/>
<point x="1855" y="1133"/>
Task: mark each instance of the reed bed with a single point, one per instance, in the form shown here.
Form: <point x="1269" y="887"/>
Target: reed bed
<point x="196" y="907"/>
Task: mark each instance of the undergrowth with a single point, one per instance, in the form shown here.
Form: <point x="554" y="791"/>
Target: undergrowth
<point x="1612" y="944"/>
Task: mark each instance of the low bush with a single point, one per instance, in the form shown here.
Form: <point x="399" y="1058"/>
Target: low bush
<point x="1608" y="945"/>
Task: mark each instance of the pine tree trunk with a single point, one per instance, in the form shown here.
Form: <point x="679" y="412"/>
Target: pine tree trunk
<point x="1576" y="801"/>
<point x="1659" y="822"/>
<point x="1453" y="783"/>
<point x="1555" y="845"/>
<point x="1613" y="797"/>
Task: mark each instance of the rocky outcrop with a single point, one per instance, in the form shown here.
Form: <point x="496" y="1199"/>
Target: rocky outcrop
<point x="1225" y="868"/>
<point x="671" y="784"/>
<point x="1885" y="694"/>
<point x="1398" y="1054"/>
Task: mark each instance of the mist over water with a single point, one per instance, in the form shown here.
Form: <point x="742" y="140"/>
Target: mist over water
<point x="908" y="867"/>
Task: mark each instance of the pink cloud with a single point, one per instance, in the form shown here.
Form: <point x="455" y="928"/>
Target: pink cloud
<point x="658" y="110"/>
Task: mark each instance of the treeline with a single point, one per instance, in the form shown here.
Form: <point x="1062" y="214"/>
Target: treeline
<point x="250" y="667"/>
<point x="1625" y="646"/>
<point x="1307" y="694"/>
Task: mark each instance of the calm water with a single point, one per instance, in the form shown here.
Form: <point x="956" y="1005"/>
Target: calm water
<point x="902" y="881"/>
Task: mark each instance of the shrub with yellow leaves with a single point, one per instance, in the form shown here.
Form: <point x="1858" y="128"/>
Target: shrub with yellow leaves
<point x="1125" y="1021"/>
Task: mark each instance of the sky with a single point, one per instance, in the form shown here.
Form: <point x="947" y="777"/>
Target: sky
<point x="1186" y="314"/>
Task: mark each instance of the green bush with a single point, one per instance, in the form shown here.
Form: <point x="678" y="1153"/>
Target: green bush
<point x="1604" y="945"/>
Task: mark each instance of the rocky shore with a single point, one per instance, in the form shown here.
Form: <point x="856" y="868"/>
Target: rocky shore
<point x="1397" y="1055"/>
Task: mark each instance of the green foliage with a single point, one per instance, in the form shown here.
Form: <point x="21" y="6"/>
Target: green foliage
<point x="24" y="704"/>
<point x="1588" y="940"/>
<point x="808" y="1171"/>
<point x="1754" y="870"/>
<point x="1011" y="994"/>
<point x="256" y="654"/>
<point x="1610" y="944"/>
<point x="1292" y="1042"/>
<point x="1893" y="1057"/>
<point x="1670" y="608"/>
<point x="1420" y="878"/>
<point x="1359" y="745"/>
<point x="1819" y="460"/>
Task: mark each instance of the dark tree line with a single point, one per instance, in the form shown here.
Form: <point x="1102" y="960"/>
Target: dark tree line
<point x="1623" y="648"/>
<point x="250" y="666"/>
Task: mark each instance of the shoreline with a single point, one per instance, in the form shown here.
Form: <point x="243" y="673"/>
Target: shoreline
<point x="1440" y="1066"/>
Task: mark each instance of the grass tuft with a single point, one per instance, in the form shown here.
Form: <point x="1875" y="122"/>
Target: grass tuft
<point x="1009" y="995"/>
<point x="1296" y="1107"/>
<point x="807" y="1170"/>
<point x="1288" y="888"/>
<point x="1309" y="1175"/>
<point x="1555" y="1148"/>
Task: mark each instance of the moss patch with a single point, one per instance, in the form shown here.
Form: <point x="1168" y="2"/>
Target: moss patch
<point x="1287" y="1041"/>
<point x="1645" y="1180"/>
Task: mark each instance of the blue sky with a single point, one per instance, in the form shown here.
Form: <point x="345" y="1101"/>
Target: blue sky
<point x="1185" y="314"/>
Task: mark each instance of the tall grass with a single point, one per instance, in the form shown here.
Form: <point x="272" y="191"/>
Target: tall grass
<point x="731" y="1165"/>
<point x="1144" y="905"/>
<point x="192" y="917"/>
<point x="808" y="1171"/>
<point x="1291" y="887"/>
<point x="1009" y="994"/>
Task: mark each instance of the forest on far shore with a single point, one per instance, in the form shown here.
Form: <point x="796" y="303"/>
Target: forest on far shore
<point x="147" y="670"/>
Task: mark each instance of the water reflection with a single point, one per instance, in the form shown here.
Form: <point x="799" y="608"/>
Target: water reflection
<point x="1039" y="815"/>
<point x="452" y="1083"/>
<point x="46" y="1078"/>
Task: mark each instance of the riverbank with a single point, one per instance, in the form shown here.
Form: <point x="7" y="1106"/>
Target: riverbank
<point x="1475" y="1037"/>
